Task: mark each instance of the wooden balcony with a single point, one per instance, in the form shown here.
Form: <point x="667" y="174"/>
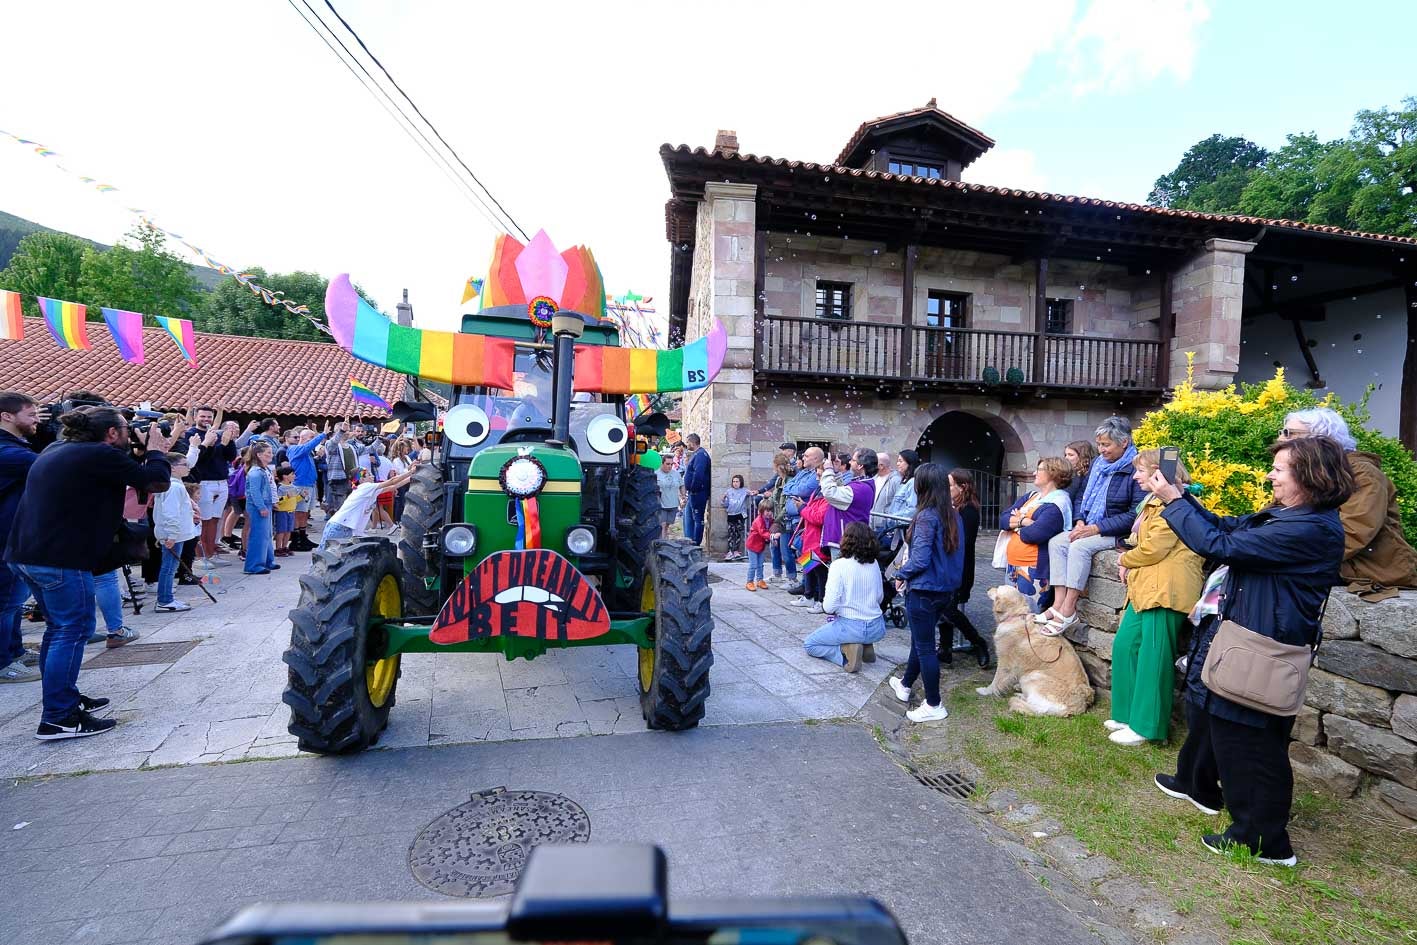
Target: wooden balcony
<point x="888" y="355"/>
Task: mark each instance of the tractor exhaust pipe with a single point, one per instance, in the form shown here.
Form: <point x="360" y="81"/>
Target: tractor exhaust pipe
<point x="567" y="327"/>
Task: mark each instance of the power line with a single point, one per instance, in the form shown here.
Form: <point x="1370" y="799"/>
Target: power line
<point x="420" y="114"/>
<point x="404" y="123"/>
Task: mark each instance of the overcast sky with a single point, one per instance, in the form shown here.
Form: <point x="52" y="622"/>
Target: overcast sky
<point x="235" y="126"/>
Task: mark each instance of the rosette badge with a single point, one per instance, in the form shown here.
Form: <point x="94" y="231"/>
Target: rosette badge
<point x="522" y="476"/>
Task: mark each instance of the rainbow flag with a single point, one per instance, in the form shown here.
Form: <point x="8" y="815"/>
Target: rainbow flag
<point x="127" y="330"/>
<point x="807" y="561"/>
<point x="12" y="322"/>
<point x="604" y="370"/>
<point x="65" y="321"/>
<point x="180" y="330"/>
<point x="638" y="405"/>
<point x="364" y="394"/>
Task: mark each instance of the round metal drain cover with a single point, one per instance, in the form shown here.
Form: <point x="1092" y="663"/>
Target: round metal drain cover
<point x="478" y="849"/>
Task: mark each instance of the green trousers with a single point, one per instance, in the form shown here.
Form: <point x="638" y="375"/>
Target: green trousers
<point x="1143" y="670"/>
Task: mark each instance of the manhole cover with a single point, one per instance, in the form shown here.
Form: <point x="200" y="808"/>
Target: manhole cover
<point x="141" y="654"/>
<point x="478" y="849"/>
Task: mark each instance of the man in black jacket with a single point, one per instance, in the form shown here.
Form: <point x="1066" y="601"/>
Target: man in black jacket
<point x="19" y="419"/>
<point x="216" y="453"/>
<point x="64" y="532"/>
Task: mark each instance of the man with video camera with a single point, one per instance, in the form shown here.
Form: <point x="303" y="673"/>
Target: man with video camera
<point x="66" y="530"/>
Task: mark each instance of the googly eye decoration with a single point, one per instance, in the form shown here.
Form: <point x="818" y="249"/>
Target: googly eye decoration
<point x="466" y="425"/>
<point x="606" y="434"/>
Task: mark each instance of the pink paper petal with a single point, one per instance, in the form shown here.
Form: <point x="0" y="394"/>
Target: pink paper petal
<point x="541" y="268"/>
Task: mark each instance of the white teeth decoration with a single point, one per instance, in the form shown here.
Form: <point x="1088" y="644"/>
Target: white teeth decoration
<point x="528" y="592"/>
<point x="510" y="596"/>
<point x="537" y="595"/>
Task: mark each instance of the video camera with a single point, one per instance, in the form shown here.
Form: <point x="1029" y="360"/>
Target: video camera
<point x="138" y="419"/>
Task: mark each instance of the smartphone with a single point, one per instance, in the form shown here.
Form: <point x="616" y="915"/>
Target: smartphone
<point x="1170" y="456"/>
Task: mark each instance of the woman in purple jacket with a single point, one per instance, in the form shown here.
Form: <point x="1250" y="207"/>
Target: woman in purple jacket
<point x="850" y="502"/>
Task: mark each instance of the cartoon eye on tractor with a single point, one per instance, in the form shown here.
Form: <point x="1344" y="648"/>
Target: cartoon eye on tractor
<point x="538" y="528"/>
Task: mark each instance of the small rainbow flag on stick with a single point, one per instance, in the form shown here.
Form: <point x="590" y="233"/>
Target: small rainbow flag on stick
<point x="180" y="329"/>
<point x="363" y="394"/>
<point x="807" y="561"/>
<point x="12" y="323"/>
<point x="65" y="321"/>
<point x="127" y="331"/>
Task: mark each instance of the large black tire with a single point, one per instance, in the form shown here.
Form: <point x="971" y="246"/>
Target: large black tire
<point x="332" y="710"/>
<point x="638" y="528"/>
<point x="675" y="684"/>
<point x="424" y="509"/>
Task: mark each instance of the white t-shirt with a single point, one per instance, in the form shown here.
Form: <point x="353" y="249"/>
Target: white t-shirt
<point x="354" y="513"/>
<point x="853" y="589"/>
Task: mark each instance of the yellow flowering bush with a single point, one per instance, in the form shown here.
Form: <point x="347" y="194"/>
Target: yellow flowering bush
<point x="1224" y="436"/>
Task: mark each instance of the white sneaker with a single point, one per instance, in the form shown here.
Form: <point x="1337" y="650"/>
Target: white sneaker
<point x="176" y="607"/>
<point x="898" y="687"/>
<point x="1125" y="736"/>
<point x="802" y="602"/>
<point x="816" y="608"/>
<point x="1112" y="725"/>
<point x="18" y="672"/>
<point x="925" y="712"/>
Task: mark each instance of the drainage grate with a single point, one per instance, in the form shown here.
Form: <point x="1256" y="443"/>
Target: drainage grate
<point x="478" y="849"/>
<point x="141" y="654"/>
<point x="947" y="782"/>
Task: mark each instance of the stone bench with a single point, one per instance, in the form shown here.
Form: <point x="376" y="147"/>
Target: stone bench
<point x="1358" y="728"/>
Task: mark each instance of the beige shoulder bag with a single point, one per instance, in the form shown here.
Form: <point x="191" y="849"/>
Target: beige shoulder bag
<point x="1257" y="671"/>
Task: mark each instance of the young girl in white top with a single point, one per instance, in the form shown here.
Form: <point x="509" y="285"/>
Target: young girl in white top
<point x="852" y="602"/>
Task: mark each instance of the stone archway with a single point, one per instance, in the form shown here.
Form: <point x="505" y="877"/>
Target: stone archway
<point x="986" y="442"/>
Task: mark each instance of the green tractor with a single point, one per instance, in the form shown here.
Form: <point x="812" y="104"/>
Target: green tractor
<point x="536" y="529"/>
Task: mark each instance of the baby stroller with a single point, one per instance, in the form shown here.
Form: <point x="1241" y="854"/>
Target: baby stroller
<point x="892" y="601"/>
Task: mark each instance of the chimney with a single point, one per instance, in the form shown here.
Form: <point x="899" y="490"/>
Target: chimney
<point x="405" y="311"/>
<point x="726" y="142"/>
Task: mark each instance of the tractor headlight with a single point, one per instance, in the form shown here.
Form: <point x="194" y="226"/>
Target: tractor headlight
<point x="459" y="540"/>
<point x="580" y="540"/>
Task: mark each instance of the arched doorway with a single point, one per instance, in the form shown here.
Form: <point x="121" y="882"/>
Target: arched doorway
<point x="957" y="438"/>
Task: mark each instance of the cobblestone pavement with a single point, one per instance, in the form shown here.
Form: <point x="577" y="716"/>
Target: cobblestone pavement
<point x="221" y="700"/>
<point x="161" y="857"/>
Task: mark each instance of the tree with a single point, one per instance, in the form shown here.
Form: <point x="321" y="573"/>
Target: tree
<point x="46" y="264"/>
<point x="1210" y="177"/>
<point x="147" y="279"/>
<point x="233" y="309"/>
<point x="1286" y="186"/>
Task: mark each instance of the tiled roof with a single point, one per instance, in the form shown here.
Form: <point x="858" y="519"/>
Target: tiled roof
<point x="931" y="108"/>
<point x="246" y="375"/>
<point x="1031" y="196"/>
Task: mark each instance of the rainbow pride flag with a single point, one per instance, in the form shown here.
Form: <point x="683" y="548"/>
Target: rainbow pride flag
<point x="605" y="370"/>
<point x="807" y="561"/>
<point x="12" y="322"/>
<point x="127" y="330"/>
<point x="180" y="330"/>
<point x="364" y="394"/>
<point x="65" y="321"/>
<point x="638" y="404"/>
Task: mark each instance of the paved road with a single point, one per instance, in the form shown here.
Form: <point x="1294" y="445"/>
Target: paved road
<point x="162" y="856"/>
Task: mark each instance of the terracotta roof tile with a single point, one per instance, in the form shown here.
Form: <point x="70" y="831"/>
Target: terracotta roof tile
<point x="1033" y="196"/>
<point x="909" y="112"/>
<point x="247" y="375"/>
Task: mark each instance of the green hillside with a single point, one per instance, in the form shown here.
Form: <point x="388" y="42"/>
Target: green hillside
<point x="13" y="229"/>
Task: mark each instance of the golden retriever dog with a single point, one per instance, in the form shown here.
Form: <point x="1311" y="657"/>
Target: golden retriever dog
<point x="1046" y="670"/>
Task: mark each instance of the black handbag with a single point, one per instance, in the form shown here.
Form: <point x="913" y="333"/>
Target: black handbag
<point x="129" y="547"/>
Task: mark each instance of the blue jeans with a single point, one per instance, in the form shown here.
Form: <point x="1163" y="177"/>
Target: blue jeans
<point x="784" y="556"/>
<point x="694" y="516"/>
<point x="1022" y="578"/>
<point x="924" y="609"/>
<point x="13" y="594"/>
<point x="258" y="542"/>
<point x="825" y="642"/>
<point x="334" y="532"/>
<point x="168" y="570"/>
<point x="67" y="596"/>
<point x="755" y="566"/>
<point x="110" y="600"/>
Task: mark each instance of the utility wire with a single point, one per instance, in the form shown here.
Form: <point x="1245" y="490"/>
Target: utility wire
<point x="404" y="123"/>
<point x="420" y="114"/>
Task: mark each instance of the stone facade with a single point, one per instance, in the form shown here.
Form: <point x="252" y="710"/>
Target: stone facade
<point x="1358" y="728"/>
<point x="1207" y="297"/>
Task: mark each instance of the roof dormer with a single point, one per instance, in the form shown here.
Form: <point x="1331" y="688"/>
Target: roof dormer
<point x="921" y="142"/>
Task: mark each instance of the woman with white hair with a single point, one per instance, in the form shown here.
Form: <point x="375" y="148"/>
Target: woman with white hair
<point x="1376" y="556"/>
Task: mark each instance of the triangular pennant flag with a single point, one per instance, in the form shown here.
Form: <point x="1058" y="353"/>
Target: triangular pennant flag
<point x="12" y="322"/>
<point x="180" y="330"/>
<point x="471" y="290"/>
<point x="127" y="330"/>
<point x="65" y="321"/>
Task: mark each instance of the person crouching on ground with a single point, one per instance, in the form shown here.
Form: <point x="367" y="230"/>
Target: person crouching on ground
<point x="173" y="525"/>
<point x="759" y="534"/>
<point x="1163" y="579"/>
<point x="853" y="602"/>
<point x="260" y="551"/>
<point x="352" y="519"/>
<point x="932" y="571"/>
<point x="64" y="532"/>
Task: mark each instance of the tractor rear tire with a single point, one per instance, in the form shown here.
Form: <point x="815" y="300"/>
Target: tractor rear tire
<point x="424" y="511"/>
<point x="675" y="686"/>
<point x="339" y="696"/>
<point x="638" y="529"/>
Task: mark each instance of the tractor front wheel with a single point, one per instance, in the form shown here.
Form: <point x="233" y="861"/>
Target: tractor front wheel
<point x="339" y="688"/>
<point x="674" y="674"/>
<point x="424" y="509"/>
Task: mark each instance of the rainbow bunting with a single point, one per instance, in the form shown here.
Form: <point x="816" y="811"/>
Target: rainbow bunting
<point x="180" y="330"/>
<point x="12" y="322"/>
<point x="65" y="321"/>
<point x="364" y="394"/>
<point x="127" y="330"/>
<point x="451" y="357"/>
<point x="604" y="370"/>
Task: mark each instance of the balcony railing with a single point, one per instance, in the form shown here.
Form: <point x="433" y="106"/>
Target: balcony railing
<point x="872" y="351"/>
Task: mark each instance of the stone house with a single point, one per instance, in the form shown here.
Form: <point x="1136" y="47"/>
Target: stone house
<point x="879" y="300"/>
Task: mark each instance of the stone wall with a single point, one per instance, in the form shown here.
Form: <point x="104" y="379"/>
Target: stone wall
<point x="1358" y="728"/>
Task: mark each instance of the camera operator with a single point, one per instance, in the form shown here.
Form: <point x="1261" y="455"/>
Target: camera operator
<point x="64" y="531"/>
<point x="216" y="452"/>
